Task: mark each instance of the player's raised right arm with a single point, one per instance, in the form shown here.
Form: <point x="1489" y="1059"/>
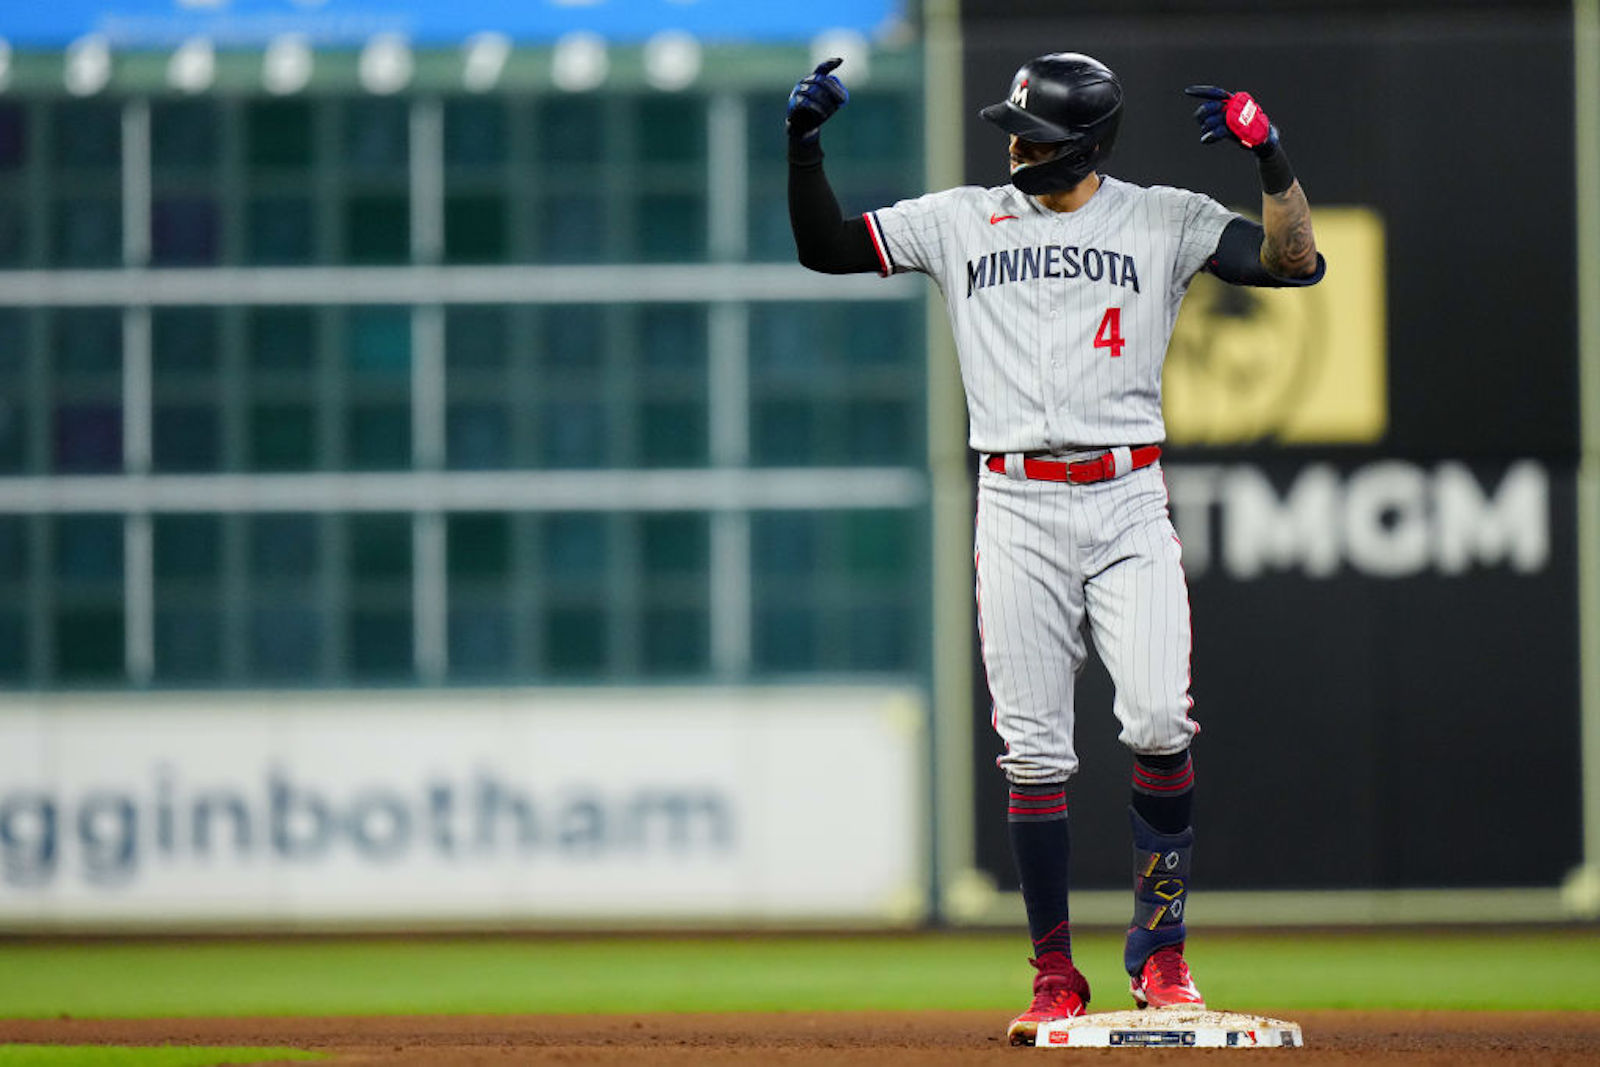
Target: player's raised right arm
<point x="824" y="239"/>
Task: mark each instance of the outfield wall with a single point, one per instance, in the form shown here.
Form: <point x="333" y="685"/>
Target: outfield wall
<point x="517" y="806"/>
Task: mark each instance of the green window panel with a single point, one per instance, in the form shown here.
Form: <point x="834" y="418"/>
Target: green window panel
<point x="573" y="338"/>
<point x="86" y="620"/>
<point x="475" y="133"/>
<point x="14" y="625"/>
<point x="480" y="643"/>
<point x="673" y="433"/>
<point x="576" y="550"/>
<point x="13" y="230"/>
<point x="378" y="626"/>
<point x="188" y="644"/>
<point x="784" y="544"/>
<point x="877" y="544"/>
<point x="675" y="546"/>
<point x="673" y="338"/>
<point x="279" y="231"/>
<point x="783" y="433"/>
<point x="380" y="645"/>
<point x="575" y="642"/>
<point x="16" y="423"/>
<point x="770" y="240"/>
<point x="185" y="341"/>
<point x="881" y="431"/>
<point x="879" y="637"/>
<point x="279" y="134"/>
<point x="189" y="622"/>
<point x="86" y="135"/>
<point x="378" y="547"/>
<point x="882" y="129"/>
<point x="676" y="641"/>
<point x="671" y="227"/>
<point x="285" y="643"/>
<point x="86" y="231"/>
<point x="574" y="434"/>
<point x="16" y="550"/>
<point x="672" y="129"/>
<point x="785" y="639"/>
<point x="478" y="437"/>
<point x="788" y="344"/>
<point x="89" y="644"/>
<point x="283" y="437"/>
<point x="476" y="338"/>
<point x="477" y="228"/>
<point x="377" y="135"/>
<point x="478" y="546"/>
<point x="86" y="552"/>
<point x="186" y="437"/>
<point x="378" y="344"/>
<point x="185" y="135"/>
<point x="568" y="130"/>
<point x="572" y="229"/>
<point x="283" y="549"/>
<point x="881" y="336"/>
<point x="282" y="339"/>
<point x="378" y="436"/>
<point x="86" y="344"/>
<point x="187" y="548"/>
<point x="16" y="408"/>
<point x="377" y="228"/>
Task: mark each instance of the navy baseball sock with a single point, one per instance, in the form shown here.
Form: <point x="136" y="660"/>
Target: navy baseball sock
<point x="1163" y="791"/>
<point x="1041" y="843"/>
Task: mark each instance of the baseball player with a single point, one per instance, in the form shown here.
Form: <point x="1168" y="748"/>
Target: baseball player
<point x="1062" y="289"/>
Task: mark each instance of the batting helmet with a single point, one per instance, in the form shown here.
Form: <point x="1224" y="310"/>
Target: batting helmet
<point x="1064" y="98"/>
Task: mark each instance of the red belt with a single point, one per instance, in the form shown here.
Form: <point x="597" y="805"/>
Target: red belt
<point x="1089" y="470"/>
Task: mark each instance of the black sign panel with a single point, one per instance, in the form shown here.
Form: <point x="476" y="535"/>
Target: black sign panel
<point x="1384" y="672"/>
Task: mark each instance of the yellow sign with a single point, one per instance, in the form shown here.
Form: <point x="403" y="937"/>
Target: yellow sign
<point x="1295" y="366"/>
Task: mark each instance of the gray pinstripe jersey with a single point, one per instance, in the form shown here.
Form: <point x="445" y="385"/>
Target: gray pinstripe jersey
<point x="1061" y="319"/>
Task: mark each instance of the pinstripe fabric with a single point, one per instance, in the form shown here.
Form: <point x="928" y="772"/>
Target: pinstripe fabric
<point x="1027" y="290"/>
<point x="1056" y="562"/>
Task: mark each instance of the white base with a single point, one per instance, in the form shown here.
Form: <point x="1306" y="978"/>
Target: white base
<point x="1169" y="1028"/>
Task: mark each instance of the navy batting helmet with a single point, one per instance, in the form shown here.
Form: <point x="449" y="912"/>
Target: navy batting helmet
<point x="1064" y="98"/>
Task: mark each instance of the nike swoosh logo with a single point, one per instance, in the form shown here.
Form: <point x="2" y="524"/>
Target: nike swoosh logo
<point x="999" y="218"/>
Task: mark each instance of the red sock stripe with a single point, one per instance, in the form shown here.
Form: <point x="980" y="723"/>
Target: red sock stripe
<point x="1037" y="803"/>
<point x="1175" y="782"/>
<point x="1037" y="811"/>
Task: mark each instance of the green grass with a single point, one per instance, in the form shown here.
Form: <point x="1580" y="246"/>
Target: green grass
<point x="107" y="1056"/>
<point x="1517" y="970"/>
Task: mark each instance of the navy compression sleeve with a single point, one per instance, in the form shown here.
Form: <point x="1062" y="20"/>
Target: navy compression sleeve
<point x="825" y="240"/>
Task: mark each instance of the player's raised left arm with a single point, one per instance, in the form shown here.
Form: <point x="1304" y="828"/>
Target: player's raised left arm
<point x="1289" y="246"/>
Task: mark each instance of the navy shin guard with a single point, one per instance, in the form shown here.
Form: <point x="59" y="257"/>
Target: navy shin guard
<point x="1160" y="891"/>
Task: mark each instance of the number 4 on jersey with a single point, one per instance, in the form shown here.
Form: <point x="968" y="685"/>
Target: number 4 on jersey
<point x="1109" y="335"/>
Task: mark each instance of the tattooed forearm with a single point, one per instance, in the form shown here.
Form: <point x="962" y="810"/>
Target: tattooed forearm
<point x="1290" y="248"/>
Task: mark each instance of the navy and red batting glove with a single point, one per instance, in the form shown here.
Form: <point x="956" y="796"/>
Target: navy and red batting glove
<point x="814" y="100"/>
<point x="1233" y="116"/>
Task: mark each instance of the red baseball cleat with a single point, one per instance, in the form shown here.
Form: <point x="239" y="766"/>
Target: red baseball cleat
<point x="1164" y="981"/>
<point x="1059" y="992"/>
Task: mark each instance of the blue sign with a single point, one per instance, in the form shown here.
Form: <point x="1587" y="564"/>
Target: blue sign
<point x="245" y="23"/>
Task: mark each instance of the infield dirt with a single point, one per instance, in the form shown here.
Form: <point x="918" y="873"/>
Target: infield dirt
<point x="901" y="1039"/>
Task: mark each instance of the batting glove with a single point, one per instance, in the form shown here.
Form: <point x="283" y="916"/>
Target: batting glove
<point x="814" y="100"/>
<point x="1234" y="116"/>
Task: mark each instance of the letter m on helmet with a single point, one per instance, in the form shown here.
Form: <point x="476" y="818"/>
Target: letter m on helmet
<point x="1019" y="95"/>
